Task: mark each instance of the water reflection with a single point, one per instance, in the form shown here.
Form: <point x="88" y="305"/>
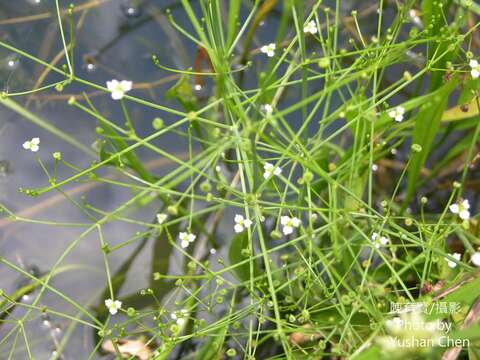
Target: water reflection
<point x="12" y="62"/>
<point x="131" y="8"/>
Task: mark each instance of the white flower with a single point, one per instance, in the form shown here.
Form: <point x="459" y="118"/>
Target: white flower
<point x="451" y="263"/>
<point x="186" y="239"/>
<point x="213" y="251"/>
<point x="379" y="241"/>
<point x="113" y="306"/>
<point x="397" y="113"/>
<point x="271" y="170"/>
<point x="161" y="218"/>
<point x="241" y="223"/>
<point x="475" y="72"/>
<point x="32" y="145"/>
<point x="268" y="49"/>
<point x="311" y="28"/>
<point x="475" y="258"/>
<point x="268" y="109"/>
<point x="119" y="88"/>
<point x="180" y="316"/>
<point x="289" y="223"/>
<point x="415" y="18"/>
<point x="461" y="209"/>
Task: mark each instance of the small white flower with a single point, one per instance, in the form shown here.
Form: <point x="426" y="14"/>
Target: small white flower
<point x="475" y="72"/>
<point x="397" y="113"/>
<point x="118" y="88"/>
<point x="268" y="109"/>
<point x="311" y="28"/>
<point x="161" y="218"/>
<point x="451" y="263"/>
<point x="241" y="223"/>
<point x="415" y="18"/>
<point x="271" y="170"/>
<point x="186" y="239"/>
<point x="475" y="258"/>
<point x="374" y="167"/>
<point x="113" y="306"/>
<point x="213" y="251"/>
<point x="32" y="145"/>
<point x="289" y="224"/>
<point x="379" y="241"/>
<point x="268" y="49"/>
<point x="461" y="209"/>
<point x="180" y="316"/>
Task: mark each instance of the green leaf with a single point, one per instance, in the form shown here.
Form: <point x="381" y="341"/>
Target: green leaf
<point x="182" y="92"/>
<point x="212" y="347"/>
<point x="465" y="294"/>
<point x="104" y="154"/>
<point x="427" y="123"/>
<point x="235" y="255"/>
<point x="162" y="250"/>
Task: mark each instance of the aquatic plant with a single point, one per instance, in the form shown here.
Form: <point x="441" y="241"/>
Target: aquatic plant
<point x="322" y="179"/>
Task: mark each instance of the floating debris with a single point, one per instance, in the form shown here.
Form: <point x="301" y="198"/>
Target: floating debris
<point x="12" y="62"/>
<point x="131" y="8"/>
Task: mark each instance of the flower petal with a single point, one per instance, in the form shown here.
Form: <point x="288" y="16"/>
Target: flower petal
<point x="287" y="230"/>
<point x="238" y="228"/>
<point x="268" y="166"/>
<point x="454" y="208"/>
<point x="464" y="214"/>
<point x="475" y="258"/>
<point x="117" y="94"/>
<point x="296" y="222"/>
<point x="112" y="84"/>
<point x="126" y="85"/>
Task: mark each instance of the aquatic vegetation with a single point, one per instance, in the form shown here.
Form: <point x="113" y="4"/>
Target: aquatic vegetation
<point x="276" y="179"/>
